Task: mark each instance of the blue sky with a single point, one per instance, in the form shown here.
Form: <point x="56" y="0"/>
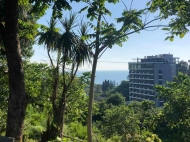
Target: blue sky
<point x="138" y="45"/>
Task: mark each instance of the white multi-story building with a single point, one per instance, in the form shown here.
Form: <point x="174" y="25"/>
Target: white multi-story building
<point x="145" y="73"/>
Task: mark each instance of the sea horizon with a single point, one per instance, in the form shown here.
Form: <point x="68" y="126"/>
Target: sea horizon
<point x="112" y="75"/>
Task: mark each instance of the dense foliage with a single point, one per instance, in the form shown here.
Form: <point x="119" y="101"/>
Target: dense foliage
<point x="107" y="85"/>
<point x="175" y="115"/>
<point x="113" y="119"/>
<point x="177" y="11"/>
<point x="183" y="67"/>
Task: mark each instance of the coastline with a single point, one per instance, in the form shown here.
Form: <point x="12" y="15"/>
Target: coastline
<point x="113" y="75"/>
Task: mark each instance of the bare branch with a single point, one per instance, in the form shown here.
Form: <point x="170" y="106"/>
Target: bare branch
<point x="102" y="52"/>
<point x="157" y="18"/>
<point x="72" y="76"/>
<point x="147" y="14"/>
<point x="152" y="29"/>
<point x="143" y="29"/>
<point x="131" y="5"/>
<point x="135" y="31"/>
<point x="102" y="48"/>
<point x="58" y="58"/>
<point x="125" y="5"/>
<point x="104" y="19"/>
<point x="50" y="58"/>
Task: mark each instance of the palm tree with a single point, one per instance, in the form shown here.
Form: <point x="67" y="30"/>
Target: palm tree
<point x="49" y="37"/>
<point x="72" y="48"/>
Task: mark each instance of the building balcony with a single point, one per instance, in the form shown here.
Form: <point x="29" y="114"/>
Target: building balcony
<point x="141" y="78"/>
<point x="144" y="94"/>
<point x="142" y="97"/>
<point x="141" y="73"/>
<point x="141" y="88"/>
<point x="141" y="69"/>
<point x="142" y="83"/>
<point x="132" y="97"/>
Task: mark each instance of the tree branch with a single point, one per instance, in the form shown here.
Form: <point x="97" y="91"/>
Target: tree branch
<point x="131" y="5"/>
<point x="50" y="58"/>
<point x="72" y="77"/>
<point x="125" y="5"/>
<point x="104" y="48"/>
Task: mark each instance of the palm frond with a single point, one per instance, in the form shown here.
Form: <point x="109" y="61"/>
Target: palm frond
<point x="49" y="37"/>
<point x="74" y="46"/>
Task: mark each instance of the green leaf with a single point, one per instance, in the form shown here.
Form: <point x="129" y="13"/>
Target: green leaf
<point x="83" y="9"/>
<point x="167" y="38"/>
<point x="171" y="38"/>
<point x="166" y="29"/>
<point x="182" y="35"/>
<point x="148" y="3"/>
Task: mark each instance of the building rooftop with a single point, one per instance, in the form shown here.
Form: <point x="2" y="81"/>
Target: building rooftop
<point x="157" y="58"/>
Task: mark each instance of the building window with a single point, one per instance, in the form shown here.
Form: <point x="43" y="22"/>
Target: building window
<point x="161" y="103"/>
<point x="160" y="82"/>
<point x="160" y="77"/>
<point x="159" y="71"/>
<point x="139" y="66"/>
<point x="130" y="66"/>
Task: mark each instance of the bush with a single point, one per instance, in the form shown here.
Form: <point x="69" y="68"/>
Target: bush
<point x="76" y="129"/>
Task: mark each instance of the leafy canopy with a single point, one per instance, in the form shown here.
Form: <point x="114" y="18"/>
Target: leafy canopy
<point x="178" y="11"/>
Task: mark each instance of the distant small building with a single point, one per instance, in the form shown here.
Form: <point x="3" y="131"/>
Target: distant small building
<point x="145" y="73"/>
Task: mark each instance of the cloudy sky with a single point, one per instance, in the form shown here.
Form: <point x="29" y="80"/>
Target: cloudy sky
<point x="138" y="45"/>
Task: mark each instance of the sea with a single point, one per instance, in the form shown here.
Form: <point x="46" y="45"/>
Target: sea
<point x="112" y="75"/>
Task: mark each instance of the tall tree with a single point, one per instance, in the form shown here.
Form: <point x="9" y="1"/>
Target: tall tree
<point x="49" y="36"/>
<point x="123" y="88"/>
<point x="116" y="99"/>
<point x="106" y="35"/>
<point x="16" y="30"/>
<point x="9" y="19"/>
<point x="72" y="50"/>
<point x="107" y="85"/>
<point x="182" y="67"/>
<point x="17" y="99"/>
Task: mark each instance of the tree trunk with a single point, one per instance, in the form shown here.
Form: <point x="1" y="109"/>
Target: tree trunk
<point x="55" y="127"/>
<point x="55" y="89"/>
<point x="17" y="97"/>
<point x="91" y="98"/>
<point x="60" y="133"/>
<point x="91" y="94"/>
